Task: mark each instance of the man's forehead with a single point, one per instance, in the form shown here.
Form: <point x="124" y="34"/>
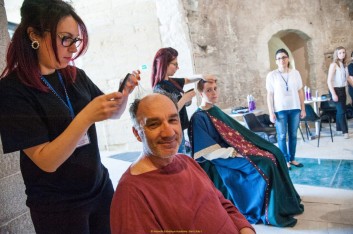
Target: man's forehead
<point x="160" y="117"/>
<point x="155" y="106"/>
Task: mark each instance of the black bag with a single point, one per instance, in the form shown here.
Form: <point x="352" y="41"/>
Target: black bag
<point x="265" y="120"/>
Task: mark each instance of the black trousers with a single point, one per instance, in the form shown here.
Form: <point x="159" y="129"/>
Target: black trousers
<point x="341" y="120"/>
<point x="91" y="218"/>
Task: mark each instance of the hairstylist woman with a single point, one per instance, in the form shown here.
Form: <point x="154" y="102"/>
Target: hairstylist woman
<point x="285" y="101"/>
<point x="48" y="110"/>
<point x="165" y="64"/>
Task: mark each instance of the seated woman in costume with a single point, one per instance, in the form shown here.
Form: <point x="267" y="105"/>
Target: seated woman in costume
<point x="247" y="169"/>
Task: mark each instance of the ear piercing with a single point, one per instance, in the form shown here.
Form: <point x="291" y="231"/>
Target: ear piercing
<point x="35" y="44"/>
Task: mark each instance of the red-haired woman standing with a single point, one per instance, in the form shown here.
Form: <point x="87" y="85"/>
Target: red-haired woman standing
<point x="165" y="64"/>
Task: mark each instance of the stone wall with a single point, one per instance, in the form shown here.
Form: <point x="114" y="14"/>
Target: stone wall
<point x="231" y="39"/>
<point x="14" y="215"/>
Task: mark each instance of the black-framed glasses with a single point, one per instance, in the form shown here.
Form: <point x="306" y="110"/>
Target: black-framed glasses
<point x="67" y="41"/>
<point x="282" y="58"/>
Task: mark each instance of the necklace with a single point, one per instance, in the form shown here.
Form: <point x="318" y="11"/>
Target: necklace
<point x="285" y="81"/>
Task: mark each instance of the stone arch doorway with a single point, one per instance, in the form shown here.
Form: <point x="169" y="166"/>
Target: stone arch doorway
<point x="296" y="43"/>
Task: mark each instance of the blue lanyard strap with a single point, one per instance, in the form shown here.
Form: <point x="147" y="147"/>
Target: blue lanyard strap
<point x="67" y="103"/>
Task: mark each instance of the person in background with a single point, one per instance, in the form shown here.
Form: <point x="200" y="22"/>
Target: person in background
<point x="285" y="101"/>
<point x="337" y="82"/>
<point x="48" y="111"/>
<point x="249" y="170"/>
<point x="350" y="79"/>
<point x="163" y="191"/>
<point x="165" y="64"/>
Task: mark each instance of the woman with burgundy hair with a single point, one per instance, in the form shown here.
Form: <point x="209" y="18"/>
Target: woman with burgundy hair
<point x="165" y="64"/>
<point x="48" y="113"/>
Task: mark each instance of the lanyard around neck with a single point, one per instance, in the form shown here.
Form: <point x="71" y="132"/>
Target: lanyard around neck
<point x="67" y="103"/>
<point x="285" y="81"/>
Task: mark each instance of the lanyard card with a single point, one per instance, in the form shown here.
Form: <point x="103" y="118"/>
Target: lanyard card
<point x="83" y="141"/>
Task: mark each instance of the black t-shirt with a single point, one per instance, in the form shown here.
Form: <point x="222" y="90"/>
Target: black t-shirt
<point x="169" y="87"/>
<point x="30" y="117"/>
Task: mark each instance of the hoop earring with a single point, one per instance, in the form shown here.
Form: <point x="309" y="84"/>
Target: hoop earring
<point x="35" y="45"/>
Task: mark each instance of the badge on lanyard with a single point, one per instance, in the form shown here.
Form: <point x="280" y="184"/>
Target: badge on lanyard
<point x="85" y="138"/>
<point x="83" y="141"/>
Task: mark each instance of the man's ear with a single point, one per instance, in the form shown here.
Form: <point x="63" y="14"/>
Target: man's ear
<point x="136" y="133"/>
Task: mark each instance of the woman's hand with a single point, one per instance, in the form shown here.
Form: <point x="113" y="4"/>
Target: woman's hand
<point x="334" y="97"/>
<point x="132" y="82"/>
<point x="187" y="97"/>
<point x="272" y="117"/>
<point x="110" y="105"/>
<point x="103" y="107"/>
<point x="302" y="113"/>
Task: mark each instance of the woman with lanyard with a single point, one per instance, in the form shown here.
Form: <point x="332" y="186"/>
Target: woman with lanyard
<point x="48" y="110"/>
<point x="165" y="64"/>
<point x="337" y="82"/>
<point x="285" y="101"/>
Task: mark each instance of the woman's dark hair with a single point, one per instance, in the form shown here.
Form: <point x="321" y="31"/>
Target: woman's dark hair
<point x="160" y="64"/>
<point x="43" y="16"/>
<point x="282" y="51"/>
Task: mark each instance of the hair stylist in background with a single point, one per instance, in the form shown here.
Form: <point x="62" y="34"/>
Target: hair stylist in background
<point x="337" y="82"/>
<point x="285" y="101"/>
<point x="165" y="64"/>
<point x="48" y="110"/>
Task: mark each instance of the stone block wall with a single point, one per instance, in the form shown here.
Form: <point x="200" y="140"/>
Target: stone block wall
<point x="230" y="39"/>
<point x="14" y="214"/>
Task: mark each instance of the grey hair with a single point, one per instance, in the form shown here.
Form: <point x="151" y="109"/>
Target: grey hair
<point x="133" y="110"/>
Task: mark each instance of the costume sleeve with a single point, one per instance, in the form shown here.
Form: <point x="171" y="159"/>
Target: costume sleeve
<point x="238" y="219"/>
<point x="130" y="212"/>
<point x="221" y="153"/>
<point x="202" y="142"/>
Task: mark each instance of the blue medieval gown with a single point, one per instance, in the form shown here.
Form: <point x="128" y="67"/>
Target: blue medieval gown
<point x="258" y="183"/>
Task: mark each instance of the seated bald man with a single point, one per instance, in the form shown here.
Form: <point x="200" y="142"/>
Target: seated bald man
<point x="163" y="191"/>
